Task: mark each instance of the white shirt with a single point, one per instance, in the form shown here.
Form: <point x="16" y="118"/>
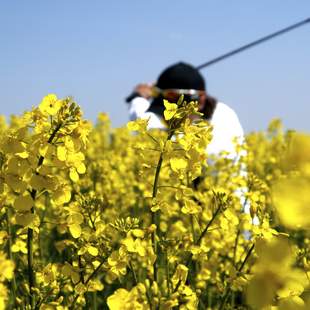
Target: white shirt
<point x="225" y="123"/>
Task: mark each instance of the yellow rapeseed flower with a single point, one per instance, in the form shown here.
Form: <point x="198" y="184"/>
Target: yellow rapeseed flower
<point x="50" y="104"/>
<point x="292" y="202"/>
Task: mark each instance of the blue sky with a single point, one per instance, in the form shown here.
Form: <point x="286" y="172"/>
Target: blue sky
<point x="97" y="51"/>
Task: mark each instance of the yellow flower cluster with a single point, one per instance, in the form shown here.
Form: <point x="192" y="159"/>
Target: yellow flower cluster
<point x="130" y="218"/>
<point x="7" y="270"/>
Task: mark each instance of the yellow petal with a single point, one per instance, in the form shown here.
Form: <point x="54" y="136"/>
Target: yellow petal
<point x="81" y="168"/>
<point x="138" y="125"/>
<point x="75" y="218"/>
<point x="62" y="195"/>
<point x="171" y="109"/>
<point x="61" y="153"/>
<point x="178" y="164"/>
<point x="25" y="219"/>
<point x="75" y="230"/>
<point x="23" y="203"/>
<point x="92" y="250"/>
<point x="119" y="299"/>
<point x="292" y="201"/>
<point x="73" y="175"/>
<point x="16" y="183"/>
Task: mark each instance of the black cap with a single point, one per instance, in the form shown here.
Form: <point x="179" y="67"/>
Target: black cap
<point x="181" y="76"/>
<point x="178" y="76"/>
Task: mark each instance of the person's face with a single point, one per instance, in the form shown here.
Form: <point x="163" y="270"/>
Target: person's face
<point x="173" y="95"/>
<point x="202" y="101"/>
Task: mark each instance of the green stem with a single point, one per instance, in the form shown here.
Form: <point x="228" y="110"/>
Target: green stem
<point x="133" y="273"/>
<point x="91" y="219"/>
<point x="236" y="246"/>
<point x="86" y="282"/>
<point x="246" y="258"/>
<point x="228" y="289"/>
<point x="192" y="228"/>
<point x="155" y="216"/>
<point x="94" y="300"/>
<point x="42" y="300"/>
<point x="81" y="267"/>
<point x="210" y="297"/>
<point x="189" y="259"/>
<point x="31" y="274"/>
<point x="10" y="255"/>
<point x="167" y="273"/>
<point x="208" y="225"/>
<point x="94" y="272"/>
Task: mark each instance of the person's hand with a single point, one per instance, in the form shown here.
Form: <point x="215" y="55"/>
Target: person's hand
<point x="144" y="90"/>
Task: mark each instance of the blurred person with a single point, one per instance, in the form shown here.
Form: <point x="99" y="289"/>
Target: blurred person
<point x="182" y="78"/>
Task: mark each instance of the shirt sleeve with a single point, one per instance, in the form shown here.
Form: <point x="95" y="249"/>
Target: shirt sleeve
<point x="138" y="107"/>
